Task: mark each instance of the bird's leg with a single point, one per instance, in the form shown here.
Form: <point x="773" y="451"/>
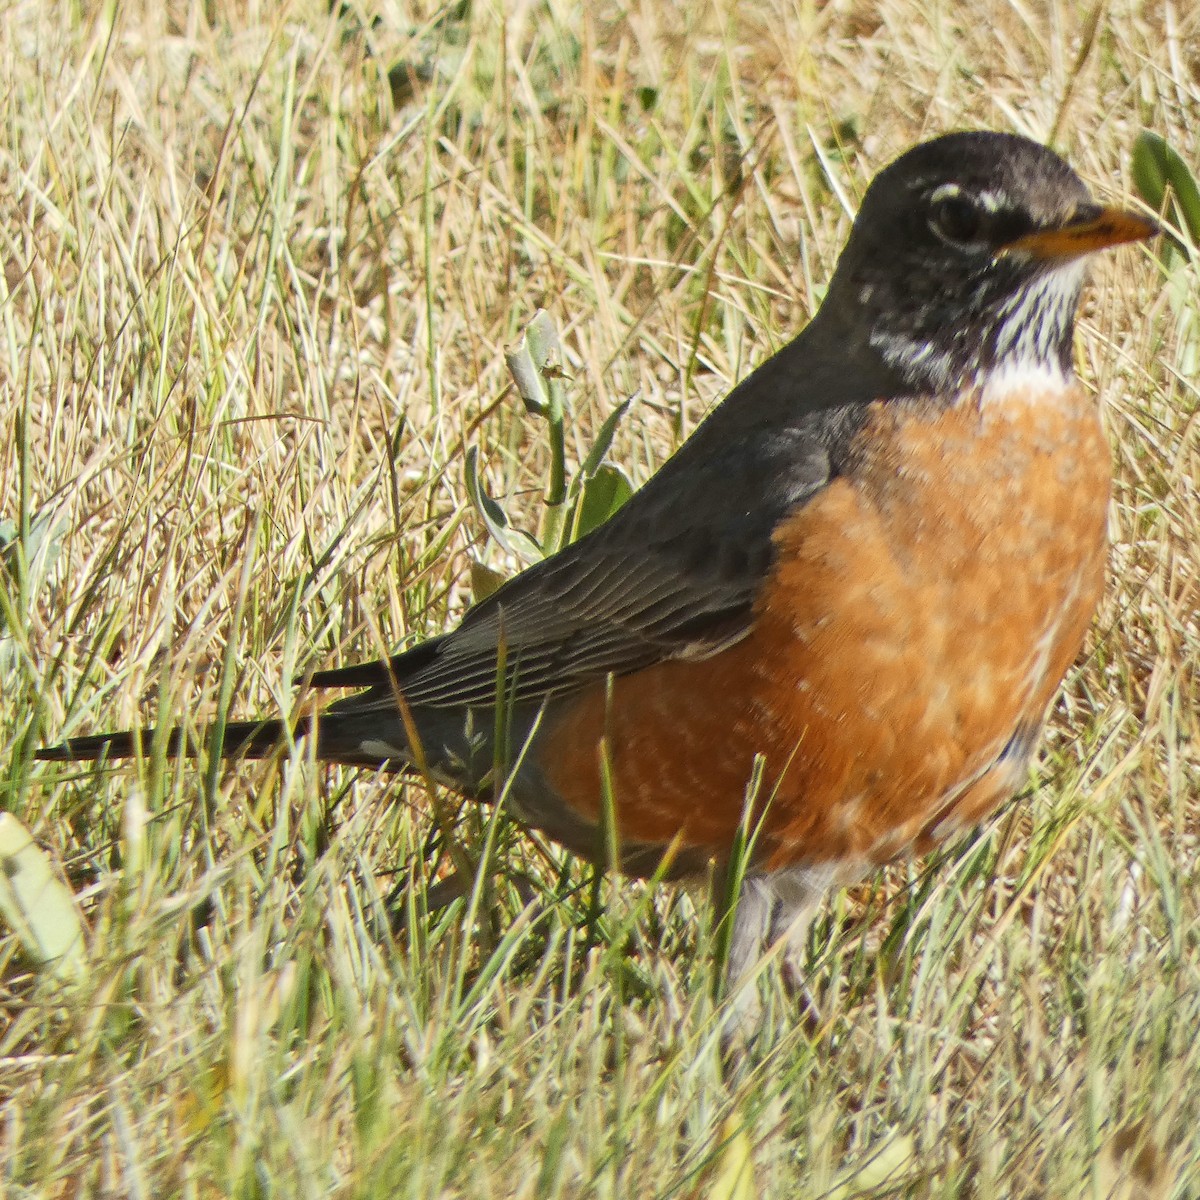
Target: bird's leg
<point x="752" y="923"/>
<point x="773" y="911"/>
<point x="798" y="892"/>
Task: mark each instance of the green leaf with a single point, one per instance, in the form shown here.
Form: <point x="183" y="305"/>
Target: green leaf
<point x="37" y="905"/>
<point x="530" y="385"/>
<point x="1159" y="169"/>
<point x="534" y="362"/>
<point x="541" y="334"/>
<point x="513" y="541"/>
<point x="604" y="439"/>
<point x="603" y="494"/>
<point x="484" y="581"/>
<point x="648" y="98"/>
<point x="1146" y="166"/>
<point x="493" y="515"/>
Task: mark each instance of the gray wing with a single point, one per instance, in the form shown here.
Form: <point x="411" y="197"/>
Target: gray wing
<point x="674" y="574"/>
<point x="612" y="610"/>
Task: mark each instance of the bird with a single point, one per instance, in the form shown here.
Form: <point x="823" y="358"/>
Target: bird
<point x="836" y="616"/>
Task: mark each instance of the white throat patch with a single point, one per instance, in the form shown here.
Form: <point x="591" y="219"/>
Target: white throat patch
<point x="1034" y="320"/>
<point x="1023" y="344"/>
<point x="1024" y="381"/>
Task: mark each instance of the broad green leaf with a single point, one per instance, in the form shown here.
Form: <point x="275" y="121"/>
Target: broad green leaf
<point x="1157" y="167"/>
<point x="541" y="335"/>
<point x="1167" y="184"/>
<point x="514" y="541"/>
<point x="484" y="581"/>
<point x="533" y="361"/>
<point x="603" y="494"/>
<point x="531" y="387"/>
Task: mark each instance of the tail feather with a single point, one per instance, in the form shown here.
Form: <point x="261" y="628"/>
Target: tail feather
<point x="355" y="730"/>
<point x="240" y="739"/>
<point x="349" y="737"/>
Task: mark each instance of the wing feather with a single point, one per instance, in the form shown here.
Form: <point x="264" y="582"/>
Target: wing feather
<point x="674" y="574"/>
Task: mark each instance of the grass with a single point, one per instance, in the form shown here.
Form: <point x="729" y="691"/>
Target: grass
<point x="261" y="263"/>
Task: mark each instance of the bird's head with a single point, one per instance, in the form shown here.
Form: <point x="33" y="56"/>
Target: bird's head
<point x="968" y="256"/>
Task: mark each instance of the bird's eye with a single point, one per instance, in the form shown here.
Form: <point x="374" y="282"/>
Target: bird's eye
<point x="956" y="218"/>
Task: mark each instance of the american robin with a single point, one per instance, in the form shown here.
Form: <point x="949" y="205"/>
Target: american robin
<point x="847" y="600"/>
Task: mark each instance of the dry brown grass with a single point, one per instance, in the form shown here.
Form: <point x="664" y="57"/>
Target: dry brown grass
<point x="257" y="294"/>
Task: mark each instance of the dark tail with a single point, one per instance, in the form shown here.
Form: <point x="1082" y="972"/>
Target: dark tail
<point x="240" y="739"/>
<point x="366" y="730"/>
<point x="367" y="737"/>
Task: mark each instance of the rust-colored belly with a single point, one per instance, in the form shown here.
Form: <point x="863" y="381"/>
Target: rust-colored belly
<point x="917" y="621"/>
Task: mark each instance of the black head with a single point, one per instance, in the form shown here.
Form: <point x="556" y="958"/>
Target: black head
<point x="968" y="254"/>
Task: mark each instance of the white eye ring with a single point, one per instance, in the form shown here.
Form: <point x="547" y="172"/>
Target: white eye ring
<point x="988" y="201"/>
<point x="948" y="191"/>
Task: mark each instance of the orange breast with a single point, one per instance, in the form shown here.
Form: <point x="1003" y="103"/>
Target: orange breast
<point x="920" y="611"/>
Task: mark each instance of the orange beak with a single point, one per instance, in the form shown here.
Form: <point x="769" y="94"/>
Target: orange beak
<point x="1108" y="227"/>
